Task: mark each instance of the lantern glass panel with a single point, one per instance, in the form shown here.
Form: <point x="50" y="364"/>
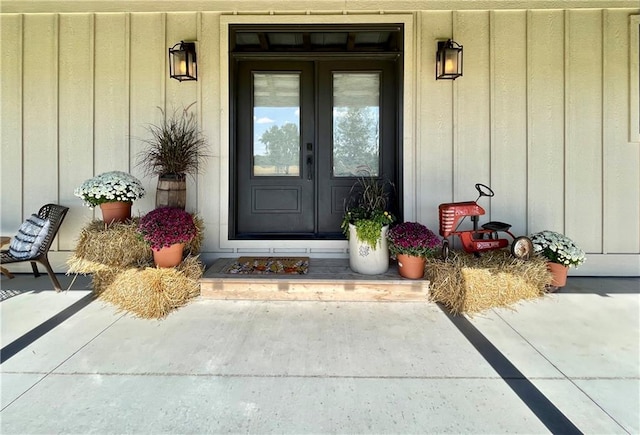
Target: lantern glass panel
<point x="179" y="63"/>
<point x="451" y="61"/>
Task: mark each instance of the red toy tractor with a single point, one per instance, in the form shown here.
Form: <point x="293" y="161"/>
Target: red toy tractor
<point x="478" y="240"/>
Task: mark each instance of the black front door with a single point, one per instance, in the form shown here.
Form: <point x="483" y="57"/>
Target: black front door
<point x="304" y="130"/>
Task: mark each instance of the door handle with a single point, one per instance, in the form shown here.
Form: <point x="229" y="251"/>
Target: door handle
<point x="309" y="167"/>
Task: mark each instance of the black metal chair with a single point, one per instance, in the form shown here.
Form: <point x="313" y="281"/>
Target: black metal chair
<point x="55" y="213"/>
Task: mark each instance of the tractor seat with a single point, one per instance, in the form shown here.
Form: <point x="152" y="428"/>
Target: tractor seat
<point x="496" y="226"/>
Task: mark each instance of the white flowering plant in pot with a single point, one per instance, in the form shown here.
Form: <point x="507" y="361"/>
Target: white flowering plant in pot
<point x="557" y="248"/>
<point x="110" y="187"/>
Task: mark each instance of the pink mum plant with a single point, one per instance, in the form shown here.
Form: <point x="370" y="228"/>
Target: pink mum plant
<point x="166" y="226"/>
<point x="413" y="238"/>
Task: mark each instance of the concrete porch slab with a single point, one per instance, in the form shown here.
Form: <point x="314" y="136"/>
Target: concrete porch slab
<point x="328" y="279"/>
<point x="217" y="366"/>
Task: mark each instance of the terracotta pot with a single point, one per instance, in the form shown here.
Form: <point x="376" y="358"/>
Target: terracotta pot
<point x="168" y="256"/>
<point x="117" y="211"/>
<point x="559" y="274"/>
<point x="410" y="266"/>
<point x="363" y="258"/>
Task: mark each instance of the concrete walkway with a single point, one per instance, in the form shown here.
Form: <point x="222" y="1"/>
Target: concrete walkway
<point x="566" y="363"/>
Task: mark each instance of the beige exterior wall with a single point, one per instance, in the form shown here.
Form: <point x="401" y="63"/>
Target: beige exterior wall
<point x="543" y="113"/>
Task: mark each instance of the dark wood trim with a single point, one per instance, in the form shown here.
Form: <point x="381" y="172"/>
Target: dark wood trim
<point x="393" y="45"/>
<point x="306" y="53"/>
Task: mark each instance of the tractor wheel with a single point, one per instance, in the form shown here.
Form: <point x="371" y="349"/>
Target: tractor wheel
<point x="522" y="248"/>
<point x="445" y="250"/>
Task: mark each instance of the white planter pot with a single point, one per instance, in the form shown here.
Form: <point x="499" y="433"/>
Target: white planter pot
<point x="363" y="258"/>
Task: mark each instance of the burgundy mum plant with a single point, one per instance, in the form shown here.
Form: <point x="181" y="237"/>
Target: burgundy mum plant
<point x="166" y="226"/>
<point x="413" y="238"/>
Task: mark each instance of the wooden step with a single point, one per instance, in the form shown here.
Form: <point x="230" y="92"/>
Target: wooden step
<point x="327" y="280"/>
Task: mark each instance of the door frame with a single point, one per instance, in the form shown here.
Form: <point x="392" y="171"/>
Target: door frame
<point x="316" y="193"/>
<point x="407" y="149"/>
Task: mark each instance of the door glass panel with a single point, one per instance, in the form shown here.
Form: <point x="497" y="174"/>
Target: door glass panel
<point x="356" y="124"/>
<point x="276" y="124"/>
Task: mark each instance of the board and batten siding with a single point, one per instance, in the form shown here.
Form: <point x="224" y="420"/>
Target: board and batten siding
<point x="541" y="115"/>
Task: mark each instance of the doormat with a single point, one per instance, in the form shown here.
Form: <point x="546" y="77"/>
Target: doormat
<point x="269" y="265"/>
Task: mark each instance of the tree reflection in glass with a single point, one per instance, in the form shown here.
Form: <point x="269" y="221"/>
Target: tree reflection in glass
<point x="356" y="123"/>
<point x="276" y="124"/>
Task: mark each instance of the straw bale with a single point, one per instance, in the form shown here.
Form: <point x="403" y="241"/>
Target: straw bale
<point x="194" y="246"/>
<point x="102" y="279"/>
<point x="83" y="266"/>
<point x="467" y="284"/>
<point x="117" y="245"/>
<point x="154" y="292"/>
<point x="123" y="273"/>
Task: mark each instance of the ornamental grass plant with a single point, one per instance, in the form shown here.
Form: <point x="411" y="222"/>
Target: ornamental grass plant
<point x="176" y="147"/>
<point x="413" y="238"/>
<point x="110" y="187"/>
<point x="557" y="248"/>
<point x="166" y="226"/>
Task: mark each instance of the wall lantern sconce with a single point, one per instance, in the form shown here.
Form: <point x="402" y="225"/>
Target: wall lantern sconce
<point x="182" y="61"/>
<point x="448" y="60"/>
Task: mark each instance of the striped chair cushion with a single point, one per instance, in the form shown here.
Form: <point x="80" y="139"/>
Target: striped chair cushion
<point x="30" y="236"/>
